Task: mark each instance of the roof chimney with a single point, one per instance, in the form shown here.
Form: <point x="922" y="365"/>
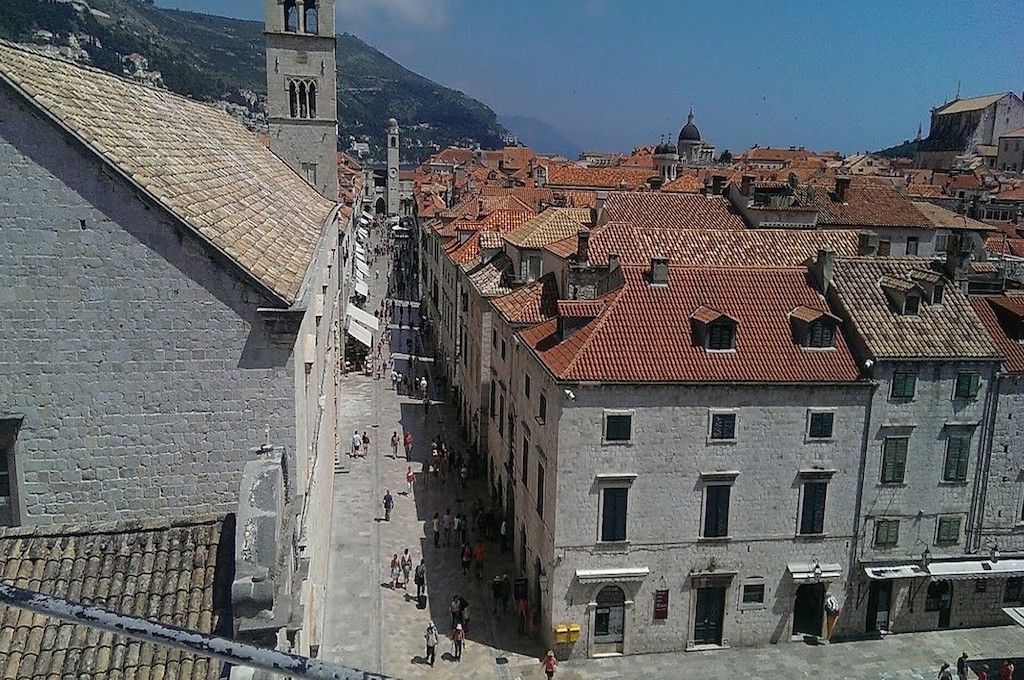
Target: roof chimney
<point x="602" y="196"/>
<point x="823" y="268"/>
<point x="717" y="181"/>
<point x="582" y="246"/>
<point x="613" y="261"/>
<point x="747" y="185"/>
<point x="659" y="271"/>
<point x="842" y="188"/>
<point x="480" y="206"/>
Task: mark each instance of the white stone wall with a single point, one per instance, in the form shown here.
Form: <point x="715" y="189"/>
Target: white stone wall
<point x="1004" y="490"/>
<point x="136" y="356"/>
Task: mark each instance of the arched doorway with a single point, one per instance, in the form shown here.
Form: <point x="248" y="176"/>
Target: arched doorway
<point x="609" y="620"/>
<point x="808" y="609"/>
<point x="380" y="207"/>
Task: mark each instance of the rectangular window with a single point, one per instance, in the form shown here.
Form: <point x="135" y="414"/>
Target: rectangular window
<point x="540" y="490"/>
<point x="753" y="593"/>
<point x="720" y="336"/>
<point x="723" y="426"/>
<point x="912" y="304"/>
<point x="501" y="415"/>
<point x="912" y="246"/>
<point x="894" y="459"/>
<point x="820" y="425"/>
<point x="967" y="385"/>
<point x="937" y="292"/>
<point x="494" y="390"/>
<point x="618" y="427"/>
<point x="812" y="511"/>
<point x="903" y="385"/>
<point x="503" y="349"/>
<point x="887" y="533"/>
<point x="613" y="514"/>
<point x="821" y="334"/>
<point x="526" y="462"/>
<point x="940" y="243"/>
<point x="958" y="450"/>
<point x="526" y="385"/>
<point x="8" y="437"/>
<point x="884" y="247"/>
<point x="542" y="409"/>
<point x="1014" y="589"/>
<point x="716" y="511"/>
<point x="494" y="338"/>
<point x="309" y="172"/>
<point x="947" y="530"/>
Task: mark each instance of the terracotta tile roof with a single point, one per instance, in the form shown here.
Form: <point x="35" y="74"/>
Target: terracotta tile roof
<point x="947" y="219"/>
<point x="532" y="303"/>
<point x="654" y="209"/>
<point x="505" y="220"/>
<point x="564" y="248"/>
<point x="971" y="104"/>
<point x="162" y="569"/>
<point x="1002" y="316"/>
<point x="466" y="252"/>
<point x="866" y="205"/>
<point x="644" y="334"/>
<point x="1006" y="243"/>
<point x="948" y="330"/>
<point x="554" y="224"/>
<point x="581" y="309"/>
<point x="1014" y="194"/>
<point x="195" y="161"/>
<point x="531" y="196"/>
<point x="626" y="179"/>
<point x="717" y="247"/>
<point x="686" y="183"/>
<point x="493" y="277"/>
<point x="576" y="198"/>
<point x="966" y="180"/>
<point x="491" y="239"/>
<point x="924" y="191"/>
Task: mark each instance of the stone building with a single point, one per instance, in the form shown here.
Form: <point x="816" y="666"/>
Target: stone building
<point x="963" y="126"/>
<point x="1010" y="155"/>
<point x="172" y="295"/>
<point x="393" y="183"/>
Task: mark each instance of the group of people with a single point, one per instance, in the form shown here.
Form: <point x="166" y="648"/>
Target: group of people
<point x="982" y="672"/>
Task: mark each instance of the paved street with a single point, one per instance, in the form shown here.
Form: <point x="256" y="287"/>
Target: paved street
<point x="374" y="627"/>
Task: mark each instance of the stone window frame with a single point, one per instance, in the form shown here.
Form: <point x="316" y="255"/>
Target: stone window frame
<point x="812" y="477"/>
<point x="752" y="581"/>
<point x="942" y="535"/>
<point x="967" y="386"/>
<point x="725" y="478"/>
<point x="10" y="426"/>
<point x="811" y="412"/>
<point x="604" y="482"/>
<point x="604" y="426"/>
<point x="711" y="426"/>
<point x="957" y="435"/>
<point x="882" y="460"/>
<point x="910" y="376"/>
<point x="892" y="525"/>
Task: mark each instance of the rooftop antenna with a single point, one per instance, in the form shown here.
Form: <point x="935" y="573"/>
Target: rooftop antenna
<point x="957" y="91"/>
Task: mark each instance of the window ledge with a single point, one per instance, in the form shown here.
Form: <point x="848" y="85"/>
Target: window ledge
<point x="721" y="441"/>
<point x="811" y="537"/>
<point x="893" y="485"/>
<point x="611" y="546"/>
<point x="616" y="442"/>
<point x="808" y="439"/>
<point x="752" y="606"/>
<point x="693" y="647"/>
<point x="714" y="539"/>
<point x="953" y="482"/>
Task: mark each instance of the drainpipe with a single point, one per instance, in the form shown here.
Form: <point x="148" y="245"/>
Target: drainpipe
<point x="861" y="473"/>
<point x="976" y="514"/>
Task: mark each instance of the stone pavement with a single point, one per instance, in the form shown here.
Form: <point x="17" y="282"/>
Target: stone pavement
<point x="370" y="626"/>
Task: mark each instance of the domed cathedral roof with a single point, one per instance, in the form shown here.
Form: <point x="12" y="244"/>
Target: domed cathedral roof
<point x="689" y="133"/>
<point x="665" y="149"/>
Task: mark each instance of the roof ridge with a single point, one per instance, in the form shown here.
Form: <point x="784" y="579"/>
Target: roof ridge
<point x="601" y="320"/>
<point x="112" y="527"/>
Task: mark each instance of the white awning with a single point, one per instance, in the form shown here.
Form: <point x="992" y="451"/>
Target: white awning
<point x="804" y="571"/>
<point x="363" y="317"/>
<point x="361" y="334"/>
<point x="362" y="268"/>
<point x="360" y="252"/>
<point x="895" y="571"/>
<point x="362" y="234"/>
<point x="964" y="570"/>
<point x="364" y="218"/>
<point x="1015" y="613"/>
<point x="361" y="288"/>
<point x="626" y="574"/>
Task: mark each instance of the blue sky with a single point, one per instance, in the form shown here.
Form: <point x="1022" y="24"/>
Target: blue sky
<point x="613" y="74"/>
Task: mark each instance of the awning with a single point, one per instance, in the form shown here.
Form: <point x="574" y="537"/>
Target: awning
<point x="363" y="317"/>
<point x="895" y="571"/>
<point x="361" y="288"/>
<point x="362" y="234"/>
<point x="360" y="252"/>
<point x="361" y="334"/>
<point x="1015" y="613"/>
<point x="804" y="571"/>
<point x="362" y="268"/>
<point x="964" y="570"/>
<point x="625" y="574"/>
<point x="364" y="219"/>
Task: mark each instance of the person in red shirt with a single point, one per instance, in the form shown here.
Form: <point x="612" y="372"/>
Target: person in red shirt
<point x="408" y="445"/>
<point x="1007" y="671"/>
<point x="983" y="672"/>
<point x="549" y="663"/>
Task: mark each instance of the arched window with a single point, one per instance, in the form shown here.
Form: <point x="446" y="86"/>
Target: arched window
<point x="291" y="16"/>
<point x="293" y="100"/>
<point x="393" y="142"/>
<point x="312" y="100"/>
<point x="303" y="102"/>
<point x="309" y="16"/>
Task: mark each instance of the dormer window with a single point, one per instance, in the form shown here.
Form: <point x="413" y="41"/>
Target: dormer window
<point x="713" y="330"/>
<point x="911" y="304"/>
<point x="821" y="334"/>
<point x="721" y="335"/>
<point x="931" y="284"/>
<point x="813" y="327"/>
<point x="937" y="293"/>
<point x="904" y="295"/>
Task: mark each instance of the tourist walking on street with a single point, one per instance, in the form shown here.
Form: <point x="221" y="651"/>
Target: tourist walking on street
<point x="467" y="557"/>
<point x="1007" y="671"/>
<point x="504" y="535"/>
<point x="983" y="672"/>
<point x="420" y="578"/>
<point x="396" y="571"/>
<point x="406" y="568"/>
<point x="394" y="444"/>
<point x="961" y="667"/>
<point x="436" y="526"/>
<point x="408" y="445"/>
<point x="446" y="524"/>
<point x="458" y="637"/>
<point x="357" y="442"/>
<point x="550" y="663"/>
<point x="431" y="638"/>
<point x="478" y="558"/>
<point x="389" y="503"/>
<point x="366" y="444"/>
<point x="455" y="609"/>
<point x="464" y="528"/>
<point x="410" y="479"/>
<point x="945" y="673"/>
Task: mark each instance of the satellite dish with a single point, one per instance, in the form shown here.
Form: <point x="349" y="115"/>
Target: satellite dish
<point x="794" y="181"/>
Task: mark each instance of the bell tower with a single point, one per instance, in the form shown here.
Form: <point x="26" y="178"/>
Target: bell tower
<point x="393" y="148"/>
<point x="302" y="105"/>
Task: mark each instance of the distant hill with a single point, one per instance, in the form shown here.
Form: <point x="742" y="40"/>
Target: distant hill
<point x="223" y="60"/>
<point x="540" y="136"/>
<point x="903" y="150"/>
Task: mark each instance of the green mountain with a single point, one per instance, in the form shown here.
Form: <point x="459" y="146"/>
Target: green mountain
<point x="219" y="59"/>
<point x="904" y="150"/>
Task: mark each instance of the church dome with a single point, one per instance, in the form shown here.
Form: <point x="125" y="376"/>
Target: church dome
<point x="664" y="149"/>
<point x="392" y="122"/>
<point x="689" y="133"/>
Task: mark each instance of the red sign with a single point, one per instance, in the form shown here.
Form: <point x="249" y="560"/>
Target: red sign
<point x="660" y="604"/>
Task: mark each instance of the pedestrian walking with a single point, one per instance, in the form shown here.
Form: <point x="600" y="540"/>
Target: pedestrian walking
<point x="396" y="571"/>
<point x="1006" y="673"/>
<point x="366" y="444"/>
<point x="436" y="526"/>
<point x="463" y="475"/>
<point x="398" y="384"/>
<point x="394" y="444"/>
<point x="496" y="594"/>
<point x="406" y="568"/>
<point x="431" y="638"/>
<point x="506" y="592"/>
<point x="408" y="444"/>
<point x="983" y="672"/>
<point x="478" y="559"/>
<point x="467" y="558"/>
<point x="420" y="579"/>
<point x="446" y="524"/>
<point x="550" y="663"/>
<point x="961" y="667"/>
<point x="464" y="528"/>
<point x="456" y="528"/>
<point x="945" y="673"/>
<point x="455" y="609"/>
<point x="389" y="503"/>
<point x="410" y="479"/>
<point x="458" y="638"/>
<point x="426" y="406"/>
<point x="357" y="443"/>
<point x="504" y="535"/>
<point x="521" y="613"/>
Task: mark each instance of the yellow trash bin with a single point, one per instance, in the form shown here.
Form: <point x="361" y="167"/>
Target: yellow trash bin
<point x="574" y="632"/>
<point x="561" y="634"/>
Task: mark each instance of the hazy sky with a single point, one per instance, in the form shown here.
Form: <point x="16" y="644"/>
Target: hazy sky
<point x="613" y="74"/>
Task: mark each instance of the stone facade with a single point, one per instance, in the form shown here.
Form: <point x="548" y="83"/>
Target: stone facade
<point x="394" y="184"/>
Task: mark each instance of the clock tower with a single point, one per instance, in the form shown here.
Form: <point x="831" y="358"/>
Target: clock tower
<point x="393" y="148"/>
<point x="302" y="104"/>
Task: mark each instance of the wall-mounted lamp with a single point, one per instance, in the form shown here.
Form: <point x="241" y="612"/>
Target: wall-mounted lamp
<point x="926" y="556"/>
<point x="817" y="573"/>
<point x="542" y="580"/>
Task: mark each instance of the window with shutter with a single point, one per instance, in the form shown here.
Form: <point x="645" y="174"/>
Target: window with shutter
<point x="887" y="533"/>
<point x="821" y="335"/>
<point x="812" y="514"/>
<point x="723" y="426"/>
<point x="903" y="385"/>
<point x="721" y="335"/>
<point x="613" y="515"/>
<point x="957" y="453"/>
<point x="820" y="426"/>
<point x="948" y="530"/>
<point x="716" y="511"/>
<point x="967" y="385"/>
<point x="894" y="459"/>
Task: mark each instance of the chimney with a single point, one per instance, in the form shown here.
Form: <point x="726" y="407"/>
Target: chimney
<point x="842" y="187"/>
<point x="659" y="271"/>
<point x="582" y="246"/>
<point x="480" y="206"/>
<point x="602" y="196"/>
<point x="824" y="265"/>
<point x="613" y="261"/>
<point x="747" y="185"/>
<point x="717" y="181"/>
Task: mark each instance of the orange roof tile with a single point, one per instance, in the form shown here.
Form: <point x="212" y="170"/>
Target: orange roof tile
<point x="1001" y="316"/>
<point x="651" y="209"/>
<point x="565" y="247"/>
<point x="867" y="205"/>
<point x="644" y="334"/>
<point x="628" y="179"/>
<point x="532" y="303"/>
<point x="554" y="224"/>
